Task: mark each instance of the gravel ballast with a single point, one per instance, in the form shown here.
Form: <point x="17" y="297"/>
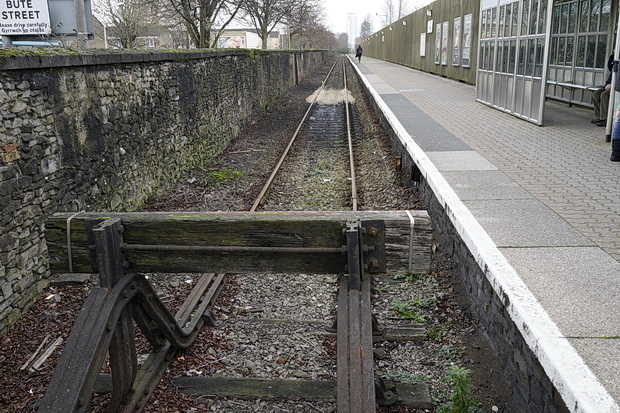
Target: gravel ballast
<point x="274" y="324"/>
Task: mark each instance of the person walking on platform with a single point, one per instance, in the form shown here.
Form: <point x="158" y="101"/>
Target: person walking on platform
<point x="358" y="52"/>
<point x="600" y="98"/>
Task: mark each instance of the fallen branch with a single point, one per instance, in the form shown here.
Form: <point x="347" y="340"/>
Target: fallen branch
<point x="37" y="364"/>
<point x="27" y="363"/>
<point x="249" y="150"/>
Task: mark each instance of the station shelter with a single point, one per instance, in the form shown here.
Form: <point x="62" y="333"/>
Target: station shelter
<point x="530" y="50"/>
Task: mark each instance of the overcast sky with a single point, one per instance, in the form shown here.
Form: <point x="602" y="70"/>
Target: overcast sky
<point x="337" y="10"/>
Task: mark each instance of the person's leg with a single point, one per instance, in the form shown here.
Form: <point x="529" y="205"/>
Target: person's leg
<point x="604" y="104"/>
<point x="615" y="150"/>
<point x="596" y="101"/>
<point x="603" y="107"/>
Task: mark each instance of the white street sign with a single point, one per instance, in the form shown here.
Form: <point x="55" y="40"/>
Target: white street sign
<point x="24" y="17"/>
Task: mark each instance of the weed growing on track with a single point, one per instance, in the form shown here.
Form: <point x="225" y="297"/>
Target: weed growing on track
<point x="461" y="399"/>
<point x="449" y="352"/>
<point x="438" y="333"/>
<point x="407" y="312"/>
<point x="424" y="303"/>
<point x="218" y="177"/>
<point x="410" y="277"/>
<point x="403" y="377"/>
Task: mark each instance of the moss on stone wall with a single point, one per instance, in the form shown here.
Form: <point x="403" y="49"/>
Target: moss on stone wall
<point x="105" y="131"/>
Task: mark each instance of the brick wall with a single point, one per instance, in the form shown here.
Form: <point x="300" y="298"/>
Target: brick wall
<point x="105" y="131"/>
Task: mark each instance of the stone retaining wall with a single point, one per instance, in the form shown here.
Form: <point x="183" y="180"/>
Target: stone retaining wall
<point x="102" y="131"/>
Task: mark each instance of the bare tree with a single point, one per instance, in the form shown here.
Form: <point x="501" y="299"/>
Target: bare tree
<point x="305" y="23"/>
<point x="126" y="21"/>
<point x="389" y="8"/>
<point x="402" y="8"/>
<point x="395" y="9"/>
<point x="265" y="15"/>
<point x="366" y="28"/>
<point x="342" y="43"/>
<point x="316" y="36"/>
<point x="204" y="20"/>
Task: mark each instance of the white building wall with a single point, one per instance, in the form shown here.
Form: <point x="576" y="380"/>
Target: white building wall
<point x="352" y="30"/>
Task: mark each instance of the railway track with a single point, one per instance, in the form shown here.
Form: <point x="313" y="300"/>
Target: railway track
<point x="323" y="146"/>
<point x="325" y="126"/>
<point x="324" y="138"/>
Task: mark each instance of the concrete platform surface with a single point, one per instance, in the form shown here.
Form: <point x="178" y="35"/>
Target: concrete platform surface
<point x="539" y="205"/>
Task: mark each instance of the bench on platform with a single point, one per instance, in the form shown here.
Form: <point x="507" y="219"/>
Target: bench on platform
<point x="571" y="87"/>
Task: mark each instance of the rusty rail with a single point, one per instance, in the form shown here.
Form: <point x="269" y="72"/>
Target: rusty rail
<point x="349" y="140"/>
<point x="275" y="171"/>
<point x="356" y="388"/>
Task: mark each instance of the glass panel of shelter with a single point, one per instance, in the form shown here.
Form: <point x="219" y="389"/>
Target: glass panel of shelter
<point x="579" y="47"/>
<point x="503" y="26"/>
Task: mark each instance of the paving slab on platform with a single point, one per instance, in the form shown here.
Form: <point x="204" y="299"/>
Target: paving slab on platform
<point x="602" y="356"/>
<point x="381" y="86"/>
<point x="427" y="133"/>
<point x="524" y="223"/>
<point x="365" y="71"/>
<point x="561" y="278"/>
<point x="477" y="185"/>
<point x="460" y="161"/>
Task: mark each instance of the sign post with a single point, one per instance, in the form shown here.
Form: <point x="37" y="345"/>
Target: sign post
<point x="7" y="41"/>
<point x="80" y="19"/>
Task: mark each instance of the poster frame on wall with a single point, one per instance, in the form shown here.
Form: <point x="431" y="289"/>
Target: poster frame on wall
<point x="456" y="42"/>
<point x="438" y="43"/>
<point x="467" y="27"/>
<point x="423" y="44"/>
<point x="444" y="44"/>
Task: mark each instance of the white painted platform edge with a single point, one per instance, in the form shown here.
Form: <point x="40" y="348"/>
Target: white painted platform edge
<point x="580" y="389"/>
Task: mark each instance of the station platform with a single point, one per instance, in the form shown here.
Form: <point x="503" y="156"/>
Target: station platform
<point x="541" y="203"/>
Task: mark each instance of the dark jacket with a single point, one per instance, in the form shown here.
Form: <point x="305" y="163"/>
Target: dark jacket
<point x="610" y="66"/>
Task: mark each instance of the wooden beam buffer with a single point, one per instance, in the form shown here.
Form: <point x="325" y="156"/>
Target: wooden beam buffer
<point x="241" y="242"/>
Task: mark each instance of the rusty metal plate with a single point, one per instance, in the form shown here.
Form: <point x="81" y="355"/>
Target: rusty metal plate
<point x="373" y="237"/>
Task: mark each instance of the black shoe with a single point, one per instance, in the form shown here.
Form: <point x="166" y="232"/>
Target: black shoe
<point x="601" y="122"/>
<point x="595" y="121"/>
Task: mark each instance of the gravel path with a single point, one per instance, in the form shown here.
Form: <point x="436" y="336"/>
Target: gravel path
<point x="274" y="322"/>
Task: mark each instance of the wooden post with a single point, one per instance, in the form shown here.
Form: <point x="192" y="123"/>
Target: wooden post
<point x="123" y="358"/>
